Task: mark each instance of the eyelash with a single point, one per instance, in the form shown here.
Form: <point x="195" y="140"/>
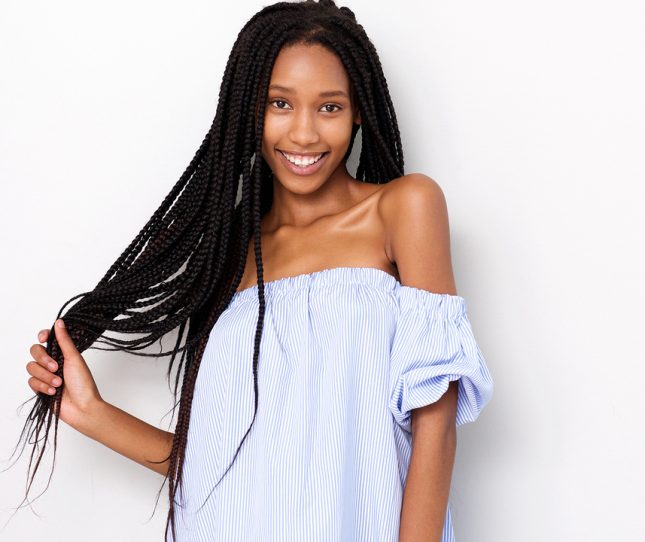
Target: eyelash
<point x="333" y="105"/>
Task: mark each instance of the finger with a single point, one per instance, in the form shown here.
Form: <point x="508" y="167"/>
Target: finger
<point x="43" y="387"/>
<point x="39" y="353"/>
<point x="48" y="363"/>
<point x="43" y="374"/>
<point x="64" y="340"/>
<point x="43" y="335"/>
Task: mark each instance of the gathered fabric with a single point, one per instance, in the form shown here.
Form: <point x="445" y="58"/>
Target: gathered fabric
<point x="346" y="354"/>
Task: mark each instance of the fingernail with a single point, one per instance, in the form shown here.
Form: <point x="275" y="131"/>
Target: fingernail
<point x="41" y="335"/>
<point x="60" y="323"/>
<point x="52" y="365"/>
<point x="56" y="381"/>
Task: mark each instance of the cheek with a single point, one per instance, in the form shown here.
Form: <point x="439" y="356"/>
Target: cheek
<point x="268" y="139"/>
<point x="338" y="134"/>
<point x="271" y="133"/>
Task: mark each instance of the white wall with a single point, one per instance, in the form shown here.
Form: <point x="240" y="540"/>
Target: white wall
<point x="531" y="118"/>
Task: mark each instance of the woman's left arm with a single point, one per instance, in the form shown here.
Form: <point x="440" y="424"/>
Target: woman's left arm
<point x="415" y="214"/>
<point x="427" y="488"/>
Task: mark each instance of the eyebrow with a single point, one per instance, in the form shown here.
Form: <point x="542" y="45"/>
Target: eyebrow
<point x="326" y="94"/>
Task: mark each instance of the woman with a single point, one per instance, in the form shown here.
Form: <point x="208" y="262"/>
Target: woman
<point x="368" y="362"/>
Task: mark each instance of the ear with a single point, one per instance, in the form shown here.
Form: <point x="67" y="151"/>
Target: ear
<point x="357" y="116"/>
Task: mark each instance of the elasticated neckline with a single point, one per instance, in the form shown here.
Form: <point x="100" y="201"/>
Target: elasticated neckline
<point x="452" y="305"/>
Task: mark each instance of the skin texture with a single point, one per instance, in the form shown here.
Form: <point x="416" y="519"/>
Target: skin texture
<point x="400" y="227"/>
<point x="340" y="212"/>
<point x="301" y="121"/>
<point x="83" y="408"/>
<point x="419" y="241"/>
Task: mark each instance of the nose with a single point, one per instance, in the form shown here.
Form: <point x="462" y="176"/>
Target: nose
<point x="303" y="130"/>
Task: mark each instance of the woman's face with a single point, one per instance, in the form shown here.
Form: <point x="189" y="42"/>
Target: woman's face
<point x="308" y="113"/>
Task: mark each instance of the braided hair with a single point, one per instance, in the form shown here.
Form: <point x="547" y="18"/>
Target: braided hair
<point x="182" y="269"/>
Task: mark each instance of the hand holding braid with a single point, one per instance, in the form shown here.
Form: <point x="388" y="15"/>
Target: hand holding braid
<point x="79" y="390"/>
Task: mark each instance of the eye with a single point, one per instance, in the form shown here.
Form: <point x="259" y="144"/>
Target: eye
<point x="338" y="107"/>
<point x="277" y="101"/>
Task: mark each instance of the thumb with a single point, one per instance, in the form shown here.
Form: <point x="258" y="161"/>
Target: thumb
<point x="67" y="346"/>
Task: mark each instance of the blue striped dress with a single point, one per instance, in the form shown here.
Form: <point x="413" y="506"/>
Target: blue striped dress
<point x="346" y="354"/>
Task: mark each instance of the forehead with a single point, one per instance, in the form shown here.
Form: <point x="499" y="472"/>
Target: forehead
<point x="307" y="68"/>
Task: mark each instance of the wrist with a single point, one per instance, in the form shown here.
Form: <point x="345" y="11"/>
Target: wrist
<point x="89" y="415"/>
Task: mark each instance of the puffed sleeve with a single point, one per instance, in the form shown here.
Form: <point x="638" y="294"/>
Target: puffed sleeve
<point x="432" y="345"/>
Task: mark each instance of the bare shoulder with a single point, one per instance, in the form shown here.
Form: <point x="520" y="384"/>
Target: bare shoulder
<point x="411" y="193"/>
<point x="414" y="212"/>
<point x="409" y="189"/>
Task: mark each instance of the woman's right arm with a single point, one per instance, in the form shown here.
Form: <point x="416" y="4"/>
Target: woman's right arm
<point x="127" y="435"/>
<point x="83" y="408"/>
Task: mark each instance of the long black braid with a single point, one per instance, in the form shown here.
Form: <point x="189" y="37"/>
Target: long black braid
<point x="182" y="269"/>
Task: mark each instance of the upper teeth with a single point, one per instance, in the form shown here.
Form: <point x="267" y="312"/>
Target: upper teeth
<point x="301" y="161"/>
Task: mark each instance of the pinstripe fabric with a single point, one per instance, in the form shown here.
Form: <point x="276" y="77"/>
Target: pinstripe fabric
<point x="346" y="353"/>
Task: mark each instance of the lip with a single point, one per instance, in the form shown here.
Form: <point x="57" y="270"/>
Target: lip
<point x="297" y="170"/>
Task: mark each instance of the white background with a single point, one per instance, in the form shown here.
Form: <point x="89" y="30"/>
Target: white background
<point x="531" y="118"/>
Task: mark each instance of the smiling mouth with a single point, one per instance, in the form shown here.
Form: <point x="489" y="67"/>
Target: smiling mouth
<point x="298" y="157"/>
<point x="303" y="169"/>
